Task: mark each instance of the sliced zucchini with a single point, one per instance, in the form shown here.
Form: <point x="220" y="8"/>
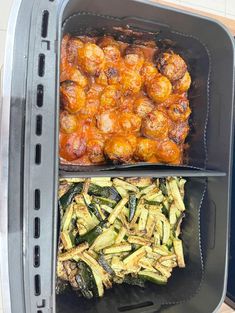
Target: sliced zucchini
<point x="117" y="210"/>
<point x="123" y="192"/>
<point x="135" y="256"/>
<point x="138" y="240"/>
<point x="121" y="235"/>
<point x="178" y="247"/>
<point x="150" y="225"/>
<point x="118" y="248"/>
<point x="125" y="185"/>
<point x="153" y="277"/>
<point x="67" y="240"/>
<point x="143" y="219"/>
<point x="136" y="281"/>
<point x="176" y="194"/>
<point x="105" y="239"/>
<point x="140" y="182"/>
<point x="90" y="236"/>
<point x="132" y="204"/>
<point x="100" y="200"/>
<point x="67" y="218"/>
<point x="68" y="197"/>
<point x="166" y="232"/>
<point x="104" y="263"/>
<point x="106" y="208"/>
<point x="147" y="264"/>
<point x="163" y="270"/>
<point x="162" y="250"/>
<point x="74" y="252"/>
<point x="99" y="284"/>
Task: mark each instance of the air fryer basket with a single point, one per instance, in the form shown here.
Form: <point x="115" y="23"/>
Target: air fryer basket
<point x="33" y="161"/>
<point x="190" y="48"/>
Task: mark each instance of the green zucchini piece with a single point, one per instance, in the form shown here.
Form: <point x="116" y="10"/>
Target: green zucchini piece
<point x="88" y="283"/>
<point x="102" y="262"/>
<point x="104" y="201"/>
<point x="99" y="285"/>
<point x="105" y="192"/>
<point x="67" y="218"/>
<point x="177" y="227"/>
<point x="118" y="248"/>
<point x="105" y="239"/>
<point x="132" y="204"/>
<point x="162" y="186"/>
<point x="153" y="277"/>
<point x="92" y="207"/>
<point x="91" y="235"/>
<point x="117" y="210"/>
<point x="67" y="240"/>
<point x="68" y="197"/>
<point x="178" y="247"/>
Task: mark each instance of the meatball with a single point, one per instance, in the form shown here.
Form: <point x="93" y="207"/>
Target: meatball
<point x="129" y="122"/>
<point x="110" y="97"/>
<point x="95" y="151"/>
<point x="112" y="54"/>
<point x="180" y="110"/>
<point x="143" y="106"/>
<point x="155" y="125"/>
<point x="72" y="97"/>
<point x="134" y="61"/>
<point x="77" y="77"/>
<point x="68" y="122"/>
<point x="179" y="132"/>
<point x="107" y="41"/>
<point x="118" y="149"/>
<point x="168" y="152"/>
<point x="73" y="46"/>
<point x="107" y="122"/>
<point x="145" y="150"/>
<point x="112" y="74"/>
<point x="72" y="147"/>
<point x="159" y="88"/>
<point x="172" y="66"/>
<point x="132" y="140"/>
<point x="102" y="79"/>
<point x="183" y="84"/>
<point x="91" y="58"/>
<point x="131" y="81"/>
<point x="148" y="72"/>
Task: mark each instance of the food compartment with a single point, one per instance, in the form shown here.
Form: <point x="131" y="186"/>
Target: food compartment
<point x="131" y="31"/>
<point x="184" y="282"/>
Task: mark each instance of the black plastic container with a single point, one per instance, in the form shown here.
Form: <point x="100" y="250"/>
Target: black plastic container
<point x="33" y="162"/>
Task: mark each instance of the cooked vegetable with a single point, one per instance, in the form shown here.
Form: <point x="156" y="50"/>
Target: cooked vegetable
<point x="68" y="197"/>
<point x="120" y="231"/>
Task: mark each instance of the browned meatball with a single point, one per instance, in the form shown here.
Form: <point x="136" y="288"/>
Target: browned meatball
<point x="95" y="151"/>
<point x="68" y="122"/>
<point x="102" y="79"/>
<point x="72" y="97"/>
<point x="72" y="147"/>
<point x="129" y="122"/>
<point x="179" y="132"/>
<point x="110" y="97"/>
<point x="134" y="61"/>
<point x="131" y="81"/>
<point x="118" y="149"/>
<point x="148" y="72"/>
<point x="107" y="41"/>
<point x="143" y="106"/>
<point x="107" y="122"/>
<point x="168" y="152"/>
<point x="91" y="58"/>
<point x="180" y="110"/>
<point x="112" y="54"/>
<point x="172" y="66"/>
<point x="73" y="46"/>
<point x="145" y="150"/>
<point x="159" y="89"/>
<point x="155" y="125"/>
<point x="132" y="139"/>
<point x="183" y="84"/>
<point x="77" y="77"/>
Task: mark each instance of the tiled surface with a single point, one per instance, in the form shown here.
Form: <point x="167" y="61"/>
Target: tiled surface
<point x="221" y="7"/>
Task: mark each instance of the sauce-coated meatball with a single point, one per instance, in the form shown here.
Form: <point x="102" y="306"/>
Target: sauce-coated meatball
<point x="159" y="89"/>
<point x="107" y="41"/>
<point x="180" y="110"/>
<point x="118" y="149"/>
<point x="107" y="122"/>
<point x="155" y="125"/>
<point x="129" y="122"/>
<point x="110" y="97"/>
<point x="95" y="151"/>
<point x="73" y="46"/>
<point x="72" y="147"/>
<point x="73" y="97"/>
<point x="112" y="54"/>
<point x="77" y="77"/>
<point x="131" y="81"/>
<point x="134" y="61"/>
<point x="91" y="58"/>
<point x="68" y="122"/>
<point x="172" y="66"/>
<point x="183" y="84"/>
<point x="148" y="72"/>
<point x="168" y="152"/>
<point x="145" y="150"/>
<point x="179" y="132"/>
<point x="143" y="106"/>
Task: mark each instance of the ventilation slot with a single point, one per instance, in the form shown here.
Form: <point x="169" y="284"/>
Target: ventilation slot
<point x="38" y="154"/>
<point x="41" y="65"/>
<point x="36" y="262"/>
<point x="37" y="199"/>
<point x="40" y="95"/>
<point x="36" y="227"/>
<point x="135" y="306"/>
<point x="39" y="311"/>
<point x="45" y="19"/>
<point x="38" y="125"/>
<point x="37" y="285"/>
